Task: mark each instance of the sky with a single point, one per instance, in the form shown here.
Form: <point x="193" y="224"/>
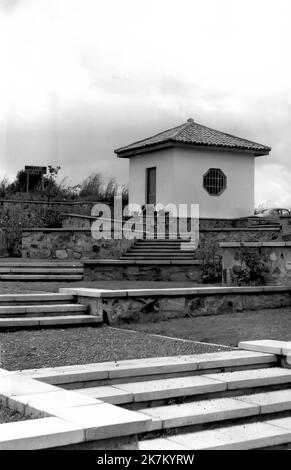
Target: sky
<point x="79" y="78"/>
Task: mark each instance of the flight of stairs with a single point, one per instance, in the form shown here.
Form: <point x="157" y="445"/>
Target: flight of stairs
<point x="40" y="270"/>
<point x="160" y="250"/>
<point x="226" y="400"/>
<point x="42" y="309"/>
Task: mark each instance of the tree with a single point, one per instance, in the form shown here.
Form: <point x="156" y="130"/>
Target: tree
<point x="51" y="189"/>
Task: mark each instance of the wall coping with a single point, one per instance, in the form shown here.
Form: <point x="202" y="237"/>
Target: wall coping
<point x="254" y="244"/>
<point x="165" y="292"/>
<point x="242" y="229"/>
<point x="57" y="230"/>
<point x="38" y="201"/>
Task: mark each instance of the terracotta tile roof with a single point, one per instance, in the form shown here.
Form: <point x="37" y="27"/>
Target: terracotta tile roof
<point x="192" y="133"/>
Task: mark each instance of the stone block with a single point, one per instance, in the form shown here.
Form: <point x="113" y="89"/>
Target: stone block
<point x="104" y="421"/>
<point x="37" y="434"/>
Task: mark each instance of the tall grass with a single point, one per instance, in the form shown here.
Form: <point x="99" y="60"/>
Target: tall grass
<point x="95" y="189"/>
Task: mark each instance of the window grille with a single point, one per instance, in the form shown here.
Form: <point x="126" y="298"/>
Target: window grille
<point x="214" y="181"/>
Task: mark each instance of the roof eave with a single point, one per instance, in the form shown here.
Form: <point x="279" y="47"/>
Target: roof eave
<point x="219" y="148"/>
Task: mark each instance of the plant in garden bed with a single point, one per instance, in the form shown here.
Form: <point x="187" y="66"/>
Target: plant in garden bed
<point x="251" y="269"/>
<point x="211" y="263"/>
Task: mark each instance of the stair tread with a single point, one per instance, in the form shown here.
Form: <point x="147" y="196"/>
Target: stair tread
<point x="236" y="437"/>
<point x="200" y="384"/>
<point x="35" y="296"/>
<point x="251" y="378"/>
<point x="204" y="411"/>
<point x="10" y="309"/>
<point x="53" y="320"/>
<point x="28" y="270"/>
<point x="168" y="364"/>
<point x="218" y="409"/>
<point x="39" y="277"/>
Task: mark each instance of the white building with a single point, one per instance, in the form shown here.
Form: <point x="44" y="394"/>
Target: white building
<point x="194" y="164"/>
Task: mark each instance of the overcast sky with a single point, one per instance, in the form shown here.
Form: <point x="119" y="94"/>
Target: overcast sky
<point x="80" y="78"/>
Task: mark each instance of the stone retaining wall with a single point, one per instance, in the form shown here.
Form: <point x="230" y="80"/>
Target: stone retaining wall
<point x="160" y="304"/>
<point x="142" y="270"/>
<point x="274" y="259"/>
<point x="70" y="244"/>
<point x="78" y="243"/>
<point x="30" y="206"/>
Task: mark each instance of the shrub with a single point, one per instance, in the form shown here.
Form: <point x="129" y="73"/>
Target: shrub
<point x="251" y="268"/>
<point x="211" y="263"/>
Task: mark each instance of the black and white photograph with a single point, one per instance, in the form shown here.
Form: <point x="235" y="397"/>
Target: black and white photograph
<point x="145" y="229"/>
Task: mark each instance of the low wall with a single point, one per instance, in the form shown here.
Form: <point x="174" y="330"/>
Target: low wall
<point x="70" y="244"/>
<point x="218" y="235"/>
<point x="130" y="270"/>
<point x="33" y="206"/>
<point x="160" y="304"/>
<point x="273" y="259"/>
<point x="78" y="243"/>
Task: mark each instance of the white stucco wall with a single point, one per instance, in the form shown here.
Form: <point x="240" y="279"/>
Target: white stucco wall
<point x="180" y="180"/>
<point x="237" y="200"/>
<point x="164" y="162"/>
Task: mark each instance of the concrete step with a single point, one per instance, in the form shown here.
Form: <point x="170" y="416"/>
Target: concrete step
<point x="159" y="254"/>
<point x="33" y="297"/>
<point x="40" y="270"/>
<point x="40" y="263"/>
<point x="44" y="309"/>
<point x="173" y="388"/>
<point x="153" y="258"/>
<point x="23" y="322"/>
<point x="245" y="436"/>
<point x="93" y="375"/>
<point x="159" y="250"/>
<point x="219" y="409"/>
<point x="41" y="277"/>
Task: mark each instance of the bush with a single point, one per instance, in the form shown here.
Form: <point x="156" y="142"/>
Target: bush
<point x="211" y="263"/>
<point x="251" y="270"/>
<point x="12" y="222"/>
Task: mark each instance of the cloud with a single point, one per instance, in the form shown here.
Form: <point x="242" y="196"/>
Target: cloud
<point x="82" y="77"/>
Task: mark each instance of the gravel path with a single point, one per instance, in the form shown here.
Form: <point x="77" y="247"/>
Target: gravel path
<point x="71" y="346"/>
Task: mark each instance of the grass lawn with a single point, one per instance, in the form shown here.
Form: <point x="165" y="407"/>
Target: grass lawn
<point x="26" y="349"/>
<point x="226" y="329"/>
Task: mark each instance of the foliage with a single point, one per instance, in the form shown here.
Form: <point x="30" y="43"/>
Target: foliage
<point x="251" y="269"/>
<point x="93" y="188"/>
<point x="3" y="187"/>
<point x="211" y="263"/>
<point x="12" y="222"/>
<point x="51" y="188"/>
